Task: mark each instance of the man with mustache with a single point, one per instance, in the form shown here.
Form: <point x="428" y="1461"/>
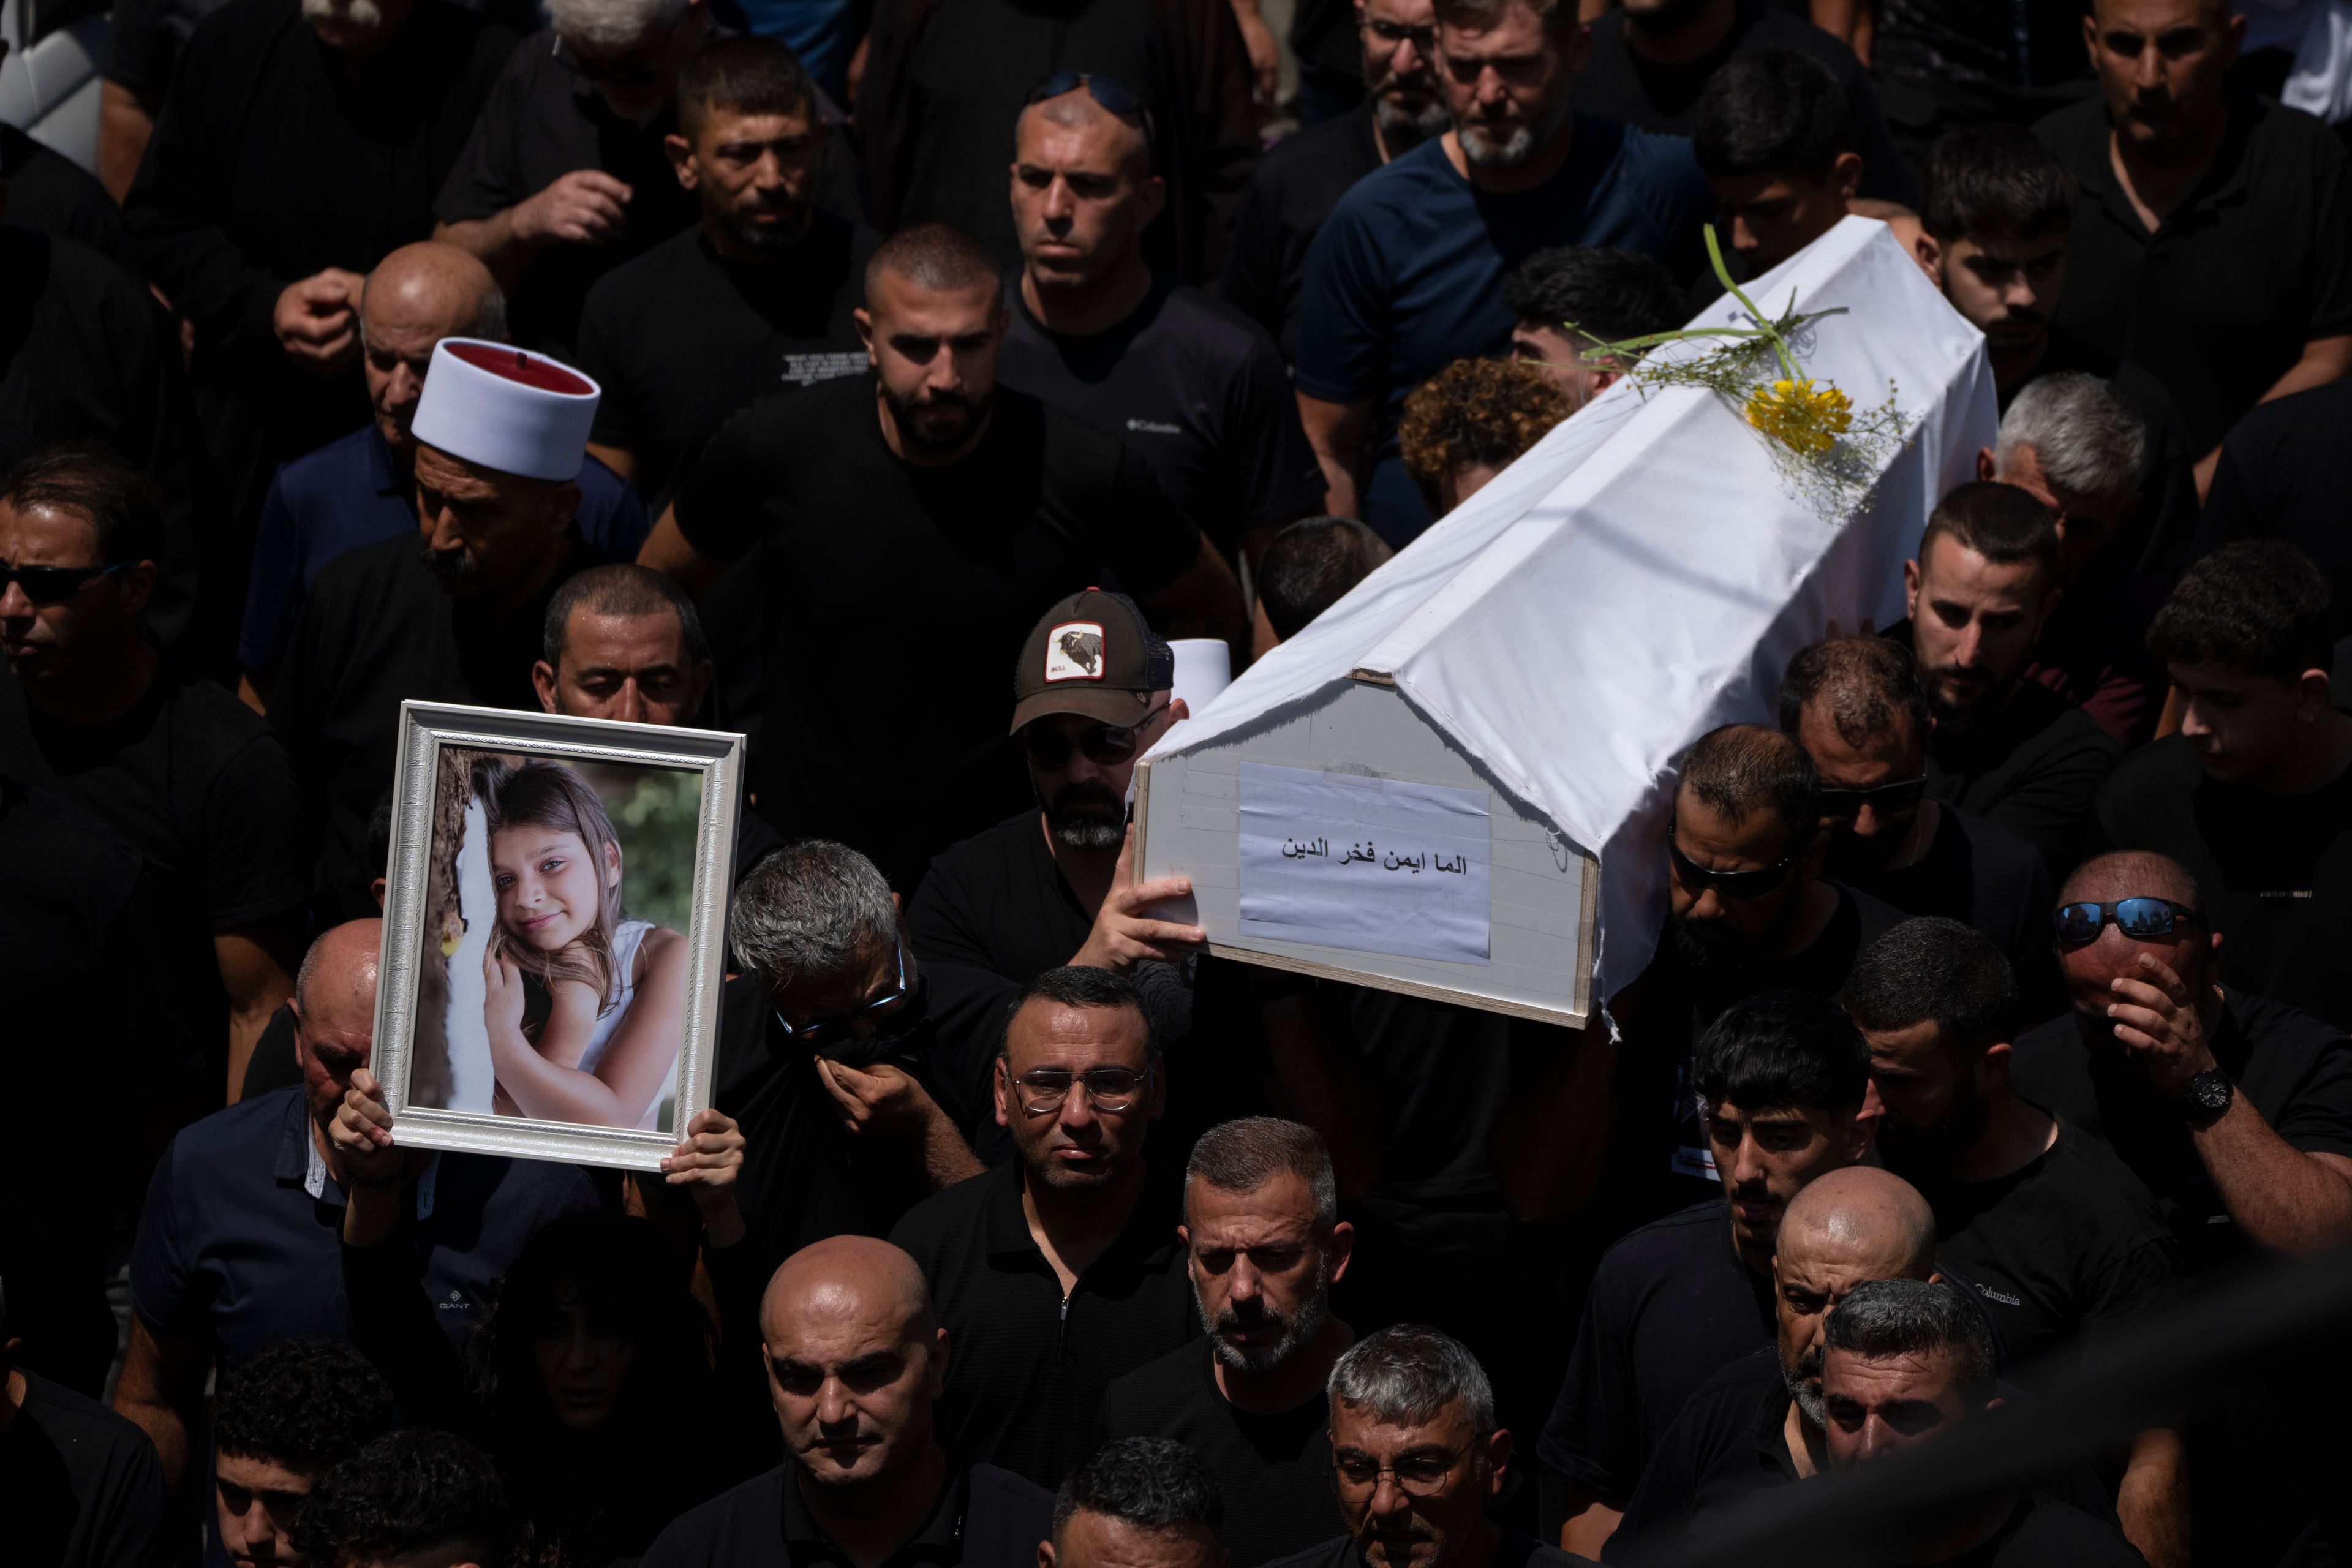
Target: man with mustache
<point x="2060" y="1241"/>
<point x="1264" y="1245"/>
<point x="855" y="1364"/>
<point x="2005" y="748"/>
<point x="1407" y="275"/>
<point x="976" y="507"/>
<point x="1303" y="177"/>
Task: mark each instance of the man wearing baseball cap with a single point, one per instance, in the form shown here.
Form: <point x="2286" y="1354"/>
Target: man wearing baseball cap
<point x="1051" y="886"/>
<point x="452" y="614"/>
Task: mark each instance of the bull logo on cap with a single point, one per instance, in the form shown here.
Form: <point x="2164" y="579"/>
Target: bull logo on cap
<point x="1074" y="652"/>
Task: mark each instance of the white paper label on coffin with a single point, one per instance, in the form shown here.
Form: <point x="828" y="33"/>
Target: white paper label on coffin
<point x="1638" y="578"/>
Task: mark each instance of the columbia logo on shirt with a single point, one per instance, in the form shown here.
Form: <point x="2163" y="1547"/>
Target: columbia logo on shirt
<point x="807" y="370"/>
<point x="1154" y="427"/>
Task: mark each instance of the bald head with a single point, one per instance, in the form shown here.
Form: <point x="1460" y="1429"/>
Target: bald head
<point x="335" y="988"/>
<point x="1870" y="1219"/>
<point x="415" y="297"/>
<point x="1120" y="139"/>
<point x="854" y="1366"/>
<point x="2131" y="874"/>
<point x="846" y="1279"/>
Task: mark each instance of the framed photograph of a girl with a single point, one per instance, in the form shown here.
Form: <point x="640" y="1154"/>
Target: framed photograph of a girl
<point x="554" y="937"/>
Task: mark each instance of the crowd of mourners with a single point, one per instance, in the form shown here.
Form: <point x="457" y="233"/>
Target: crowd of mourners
<point x="1996" y="1014"/>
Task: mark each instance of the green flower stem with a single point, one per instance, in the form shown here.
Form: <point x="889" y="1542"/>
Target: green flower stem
<point x="1722" y="276"/>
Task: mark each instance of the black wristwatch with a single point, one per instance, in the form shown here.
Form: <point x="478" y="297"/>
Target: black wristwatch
<point x="2209" y="1093"/>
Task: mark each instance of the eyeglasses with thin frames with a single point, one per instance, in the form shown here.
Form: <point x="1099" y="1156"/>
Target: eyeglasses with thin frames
<point x="1043" y="1090"/>
<point x="823" y="1031"/>
<point x="1417" y="1474"/>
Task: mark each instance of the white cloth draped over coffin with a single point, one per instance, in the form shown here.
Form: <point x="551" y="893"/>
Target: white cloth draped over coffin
<point x="1643" y="576"/>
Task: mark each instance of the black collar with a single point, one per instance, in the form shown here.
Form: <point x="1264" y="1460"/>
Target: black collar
<point x="940" y="1540"/>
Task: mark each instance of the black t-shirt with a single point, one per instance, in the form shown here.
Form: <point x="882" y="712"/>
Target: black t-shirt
<point x="1618" y="84"/>
<point x="888" y="584"/>
<point x="681" y="339"/>
<point x="81" y="944"/>
<point x="2275" y="871"/>
<point x="1981" y="873"/>
<point x="2034" y="768"/>
<point x="81" y="1486"/>
<point x="1028" y="1364"/>
<point x="1514" y="1550"/>
<point x="1729" y="1442"/>
<point x="1293" y="189"/>
<point x="1274" y="1470"/>
<point x="2251" y="265"/>
<point x="191" y="781"/>
<point x="985" y="1518"/>
<point x="2286" y="470"/>
<point x="376" y="630"/>
<point x="2294" y="1069"/>
<point x="1671" y="1305"/>
<point x="2068" y="1248"/>
<point x="1195" y="388"/>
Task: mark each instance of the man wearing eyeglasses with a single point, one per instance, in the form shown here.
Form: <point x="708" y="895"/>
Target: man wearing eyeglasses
<point x="1416" y="1459"/>
<point x="1858" y="708"/>
<point x="1059" y="1271"/>
<point x="566" y="175"/>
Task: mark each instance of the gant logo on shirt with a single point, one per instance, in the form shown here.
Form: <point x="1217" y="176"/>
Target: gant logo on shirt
<point x="1154" y="427"/>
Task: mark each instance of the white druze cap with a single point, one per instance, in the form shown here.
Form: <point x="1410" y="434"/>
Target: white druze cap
<point x="506" y="408"/>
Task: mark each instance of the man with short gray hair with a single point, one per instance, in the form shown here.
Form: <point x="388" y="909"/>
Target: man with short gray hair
<point x="1264" y="1244"/>
<point x="826" y="1056"/>
<point x="566" y="175"/>
<point x="2072" y="443"/>
<point x="1415" y="1459"/>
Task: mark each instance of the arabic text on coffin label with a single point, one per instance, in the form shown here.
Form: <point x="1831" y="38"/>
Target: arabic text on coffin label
<point x="1371" y="865"/>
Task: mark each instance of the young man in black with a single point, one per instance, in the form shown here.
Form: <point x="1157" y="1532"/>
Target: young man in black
<point x="2061" y="1243"/>
<point x="2208" y="242"/>
<point x="1058" y="1272"/>
<point x="755" y="298"/>
<point x="979" y="507"/>
<point x="1139" y="1501"/>
<point x="1302" y="178"/>
<point x="2253" y="797"/>
<point x="280" y="1422"/>
<point x="1777" y="139"/>
<point x="2005" y="748"/>
<point x="1568" y="295"/>
<point x="856" y="1365"/>
<point x="1996" y="228"/>
<point x="1781" y="1078"/>
<point x="1263" y="1245"/>
<point x="1859" y="709"/>
<point x="1758" y="1422"/>
<point x="175" y="768"/>
<point x="1199" y="392"/>
<point x="1652" y="61"/>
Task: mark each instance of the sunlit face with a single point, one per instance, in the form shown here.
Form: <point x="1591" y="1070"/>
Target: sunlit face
<point x="1872" y="838"/>
<point x="1879" y="1406"/>
<point x="329" y="1048"/>
<point x="2091" y="968"/>
<point x="2162" y="64"/>
<point x="549" y="884"/>
<point x="254" y="1500"/>
<point x="631" y="668"/>
<point x="1765" y="1157"/>
<point x="755" y="174"/>
<point x="1812" y="1273"/>
<point x="1506" y="84"/>
<point x="1973" y="621"/>
<point x="584" y="1361"/>
<point x="1082" y="194"/>
<point x="1078" y="1143"/>
<point x="1261" y="1269"/>
<point x="2008" y="289"/>
<point x="484" y="532"/>
<point x="935" y="352"/>
<point x="1400" y="40"/>
<point x="1394" y="1528"/>
<point x="1556" y="354"/>
<point x="1772" y="216"/>
<point x="2242" y="726"/>
<point x="852" y="1381"/>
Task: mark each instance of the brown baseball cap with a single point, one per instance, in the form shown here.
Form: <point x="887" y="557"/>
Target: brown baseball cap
<point x="1092" y="655"/>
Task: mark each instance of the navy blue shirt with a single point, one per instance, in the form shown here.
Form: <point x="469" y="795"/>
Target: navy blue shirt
<point x="1407" y="275"/>
<point x="348" y="493"/>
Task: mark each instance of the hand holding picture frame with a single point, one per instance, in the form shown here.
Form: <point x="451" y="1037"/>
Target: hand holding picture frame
<point x="554" y="933"/>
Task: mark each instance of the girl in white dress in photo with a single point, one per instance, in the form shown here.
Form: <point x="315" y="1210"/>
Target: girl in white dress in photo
<point x="607" y="1044"/>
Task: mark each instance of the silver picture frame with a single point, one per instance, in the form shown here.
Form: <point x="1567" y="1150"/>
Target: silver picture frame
<point x="426" y="731"/>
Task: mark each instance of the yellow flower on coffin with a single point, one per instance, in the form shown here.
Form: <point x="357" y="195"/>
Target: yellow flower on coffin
<point x="1800" y="415"/>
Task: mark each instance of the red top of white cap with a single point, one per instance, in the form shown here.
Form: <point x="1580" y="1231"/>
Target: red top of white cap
<point x="506" y="408"/>
<point x="519" y="364"/>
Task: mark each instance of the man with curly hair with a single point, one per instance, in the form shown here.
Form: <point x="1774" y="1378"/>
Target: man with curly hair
<point x="1467" y="424"/>
<point x="281" y="1421"/>
<point x="412" y="1499"/>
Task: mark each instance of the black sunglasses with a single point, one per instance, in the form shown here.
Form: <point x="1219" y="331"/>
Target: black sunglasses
<point x="1845" y="804"/>
<point x="1730" y="884"/>
<point x="1105" y="745"/>
<point x="2139" y="919"/>
<point x="1109" y="91"/>
<point x="820" y="1031"/>
<point x="56" y="584"/>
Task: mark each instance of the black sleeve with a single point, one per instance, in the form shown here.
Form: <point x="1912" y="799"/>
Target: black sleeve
<point x="1252" y="282"/>
<point x="716" y="507"/>
<point x="253" y="815"/>
<point x="2331" y="251"/>
<point x="486" y="179"/>
<point x="2318" y="1119"/>
<point x="2140" y="1282"/>
<point x="2232" y="510"/>
<point x="1593" y="1437"/>
<point x="968" y="998"/>
<point x="1274" y="471"/>
<point x="603" y="338"/>
<point x="1141" y="533"/>
<point x="139" y="50"/>
<point x="2051" y="809"/>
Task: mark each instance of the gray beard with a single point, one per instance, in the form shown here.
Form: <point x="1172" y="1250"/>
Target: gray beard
<point x="1479" y="147"/>
<point x="1400" y="127"/>
<point x="1299" y="1331"/>
<point x="1807" y="1399"/>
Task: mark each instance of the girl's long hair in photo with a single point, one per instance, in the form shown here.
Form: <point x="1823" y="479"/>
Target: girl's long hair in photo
<point x="549" y="795"/>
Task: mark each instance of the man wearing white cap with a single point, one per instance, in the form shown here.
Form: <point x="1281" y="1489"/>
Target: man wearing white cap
<point x="500" y="436"/>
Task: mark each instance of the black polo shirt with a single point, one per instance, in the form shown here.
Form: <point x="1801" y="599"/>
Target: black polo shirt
<point x="1729" y="1442"/>
<point x="2294" y="1069"/>
<point x="1293" y="191"/>
<point x="1671" y="1305"/>
<point x="984" y="1517"/>
<point x="1027" y="1366"/>
<point x="2254" y="263"/>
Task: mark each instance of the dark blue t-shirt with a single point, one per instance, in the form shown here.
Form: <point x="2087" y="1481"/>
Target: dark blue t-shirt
<point x="348" y="493"/>
<point x="1407" y="275"/>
